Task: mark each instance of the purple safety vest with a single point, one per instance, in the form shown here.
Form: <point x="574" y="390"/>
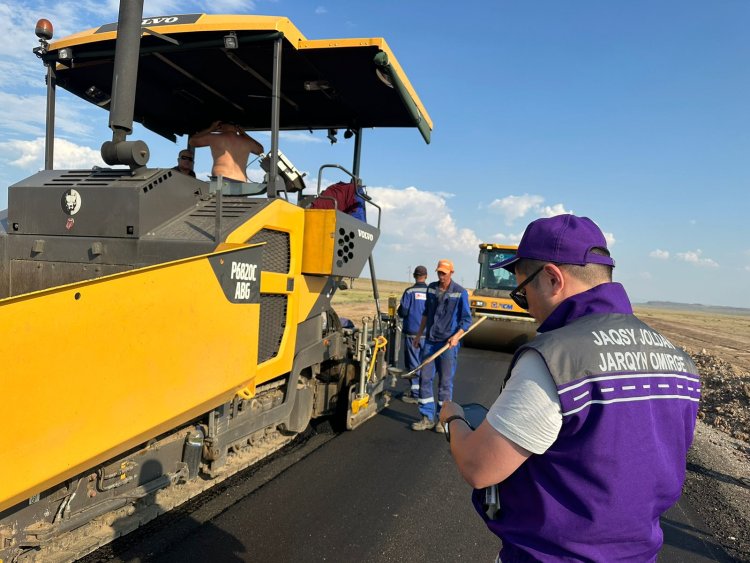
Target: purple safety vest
<point x="629" y="402"/>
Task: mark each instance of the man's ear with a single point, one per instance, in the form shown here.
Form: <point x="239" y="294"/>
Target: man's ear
<point x="554" y="277"/>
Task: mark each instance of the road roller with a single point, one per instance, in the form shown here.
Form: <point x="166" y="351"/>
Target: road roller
<point x="507" y="325"/>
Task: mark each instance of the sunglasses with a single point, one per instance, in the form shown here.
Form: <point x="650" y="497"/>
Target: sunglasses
<point x="188" y="158"/>
<point x="518" y="295"/>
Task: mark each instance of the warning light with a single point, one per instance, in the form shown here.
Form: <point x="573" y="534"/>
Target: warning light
<point x="44" y="29"/>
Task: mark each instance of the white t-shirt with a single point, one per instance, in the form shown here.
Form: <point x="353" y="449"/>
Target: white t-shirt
<point x="528" y="411"/>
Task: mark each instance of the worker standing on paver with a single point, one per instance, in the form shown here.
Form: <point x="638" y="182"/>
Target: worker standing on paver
<point x="446" y="317"/>
<point x="411" y="310"/>
<point x="230" y="148"/>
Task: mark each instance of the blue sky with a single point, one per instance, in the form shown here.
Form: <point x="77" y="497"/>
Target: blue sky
<point x="636" y="114"/>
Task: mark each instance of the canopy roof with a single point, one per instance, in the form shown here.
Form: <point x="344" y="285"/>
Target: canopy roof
<point x="187" y="78"/>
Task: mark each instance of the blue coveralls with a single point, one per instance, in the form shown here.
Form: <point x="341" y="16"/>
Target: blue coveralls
<point x="445" y="313"/>
<point x="411" y="310"/>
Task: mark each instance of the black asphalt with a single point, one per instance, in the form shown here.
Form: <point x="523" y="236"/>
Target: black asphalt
<point x="381" y="493"/>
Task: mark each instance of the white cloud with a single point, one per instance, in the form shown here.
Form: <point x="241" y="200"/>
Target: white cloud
<point x="659" y="254"/>
<point x="418" y="227"/>
<point x="20" y="66"/>
<point x="321" y="10"/>
<point x="645" y="275"/>
<point x="419" y="219"/>
<point x="514" y="207"/>
<point x="17" y="22"/>
<point x="510" y="238"/>
<point x="26" y="116"/>
<point x="22" y="114"/>
<point x="30" y="154"/>
<point x="694" y="257"/>
<point x="551" y="211"/>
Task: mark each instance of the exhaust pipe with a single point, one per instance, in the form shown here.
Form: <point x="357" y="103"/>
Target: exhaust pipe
<point x="124" y="79"/>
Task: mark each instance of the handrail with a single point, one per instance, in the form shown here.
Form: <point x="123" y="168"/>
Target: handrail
<point x="357" y="183"/>
<point x="320" y="174"/>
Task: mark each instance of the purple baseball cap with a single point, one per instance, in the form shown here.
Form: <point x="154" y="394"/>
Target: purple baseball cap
<point x="562" y="239"/>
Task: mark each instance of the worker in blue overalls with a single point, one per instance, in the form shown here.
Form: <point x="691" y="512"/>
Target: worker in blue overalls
<point x="446" y="317"/>
<point x="411" y="310"/>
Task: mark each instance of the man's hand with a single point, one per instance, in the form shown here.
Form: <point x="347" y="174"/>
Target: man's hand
<point x="215" y="127"/>
<point x="416" y="339"/>
<point x="201" y="138"/>
<point x="453" y="340"/>
<point x="450" y="408"/>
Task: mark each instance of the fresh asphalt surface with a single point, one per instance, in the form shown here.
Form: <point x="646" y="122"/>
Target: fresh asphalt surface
<point x="382" y="493"/>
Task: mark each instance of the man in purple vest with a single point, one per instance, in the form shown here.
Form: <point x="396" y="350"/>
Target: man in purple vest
<point x="586" y="445"/>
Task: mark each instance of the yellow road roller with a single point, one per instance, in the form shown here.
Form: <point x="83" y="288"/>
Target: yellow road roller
<point x="507" y="325"/>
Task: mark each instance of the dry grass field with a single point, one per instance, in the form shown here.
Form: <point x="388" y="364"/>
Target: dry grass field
<point x="356" y="302"/>
<point x="721" y="335"/>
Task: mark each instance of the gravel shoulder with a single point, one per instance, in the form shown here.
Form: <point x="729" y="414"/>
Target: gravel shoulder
<point x="718" y="488"/>
<point x="718" y="477"/>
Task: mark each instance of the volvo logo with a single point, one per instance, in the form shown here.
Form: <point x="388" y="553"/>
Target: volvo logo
<point x="156" y="21"/>
<point x="365" y="235"/>
<point x="159" y="21"/>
